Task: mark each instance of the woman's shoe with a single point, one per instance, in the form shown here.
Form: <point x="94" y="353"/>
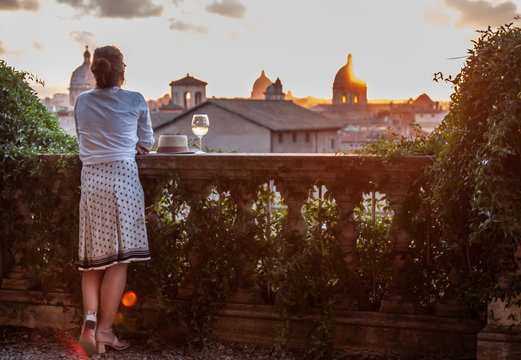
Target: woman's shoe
<point x="108" y="338"/>
<point x="87" y="338"/>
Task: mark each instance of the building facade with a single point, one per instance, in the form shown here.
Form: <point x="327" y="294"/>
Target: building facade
<point x="185" y="93"/>
<point x="256" y="126"/>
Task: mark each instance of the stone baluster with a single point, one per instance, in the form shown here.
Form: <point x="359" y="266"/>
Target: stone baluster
<point x="243" y="193"/>
<point x="347" y="196"/>
<point x="152" y="186"/>
<point x="450" y="304"/>
<point x="196" y="192"/>
<point x="295" y="194"/>
<point x="399" y="298"/>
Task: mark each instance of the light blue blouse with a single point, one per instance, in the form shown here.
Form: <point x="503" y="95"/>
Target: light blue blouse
<point x="109" y="124"/>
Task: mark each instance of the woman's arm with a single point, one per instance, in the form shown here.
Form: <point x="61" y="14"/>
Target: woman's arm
<point x="145" y="133"/>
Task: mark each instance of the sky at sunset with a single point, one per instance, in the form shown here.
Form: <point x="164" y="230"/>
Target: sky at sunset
<point x="397" y="45"/>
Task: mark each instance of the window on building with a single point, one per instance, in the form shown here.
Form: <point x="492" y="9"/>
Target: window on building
<point x="344" y="99"/>
<point x="332" y="144"/>
<point x="307" y="137"/>
<point x="294" y="135"/>
<point x="197" y="98"/>
<point x="281" y="138"/>
<point x="356" y="100"/>
<point x="188" y="96"/>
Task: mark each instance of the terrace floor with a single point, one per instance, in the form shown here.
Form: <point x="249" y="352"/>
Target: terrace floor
<point x="17" y="343"/>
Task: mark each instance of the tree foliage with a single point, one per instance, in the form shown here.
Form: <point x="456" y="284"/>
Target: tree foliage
<point x="476" y="182"/>
<point x="26" y="126"/>
<point x="27" y="130"/>
<point x="474" y="185"/>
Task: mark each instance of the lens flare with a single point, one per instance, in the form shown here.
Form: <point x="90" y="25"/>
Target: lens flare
<point x="129" y="299"/>
<point x="119" y="319"/>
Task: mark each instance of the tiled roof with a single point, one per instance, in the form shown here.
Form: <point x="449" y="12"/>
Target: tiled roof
<point x="160" y="118"/>
<point x="274" y="115"/>
<point x="188" y="81"/>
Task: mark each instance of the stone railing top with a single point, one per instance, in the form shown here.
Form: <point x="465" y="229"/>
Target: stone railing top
<point x="241" y="165"/>
<point x="290" y="167"/>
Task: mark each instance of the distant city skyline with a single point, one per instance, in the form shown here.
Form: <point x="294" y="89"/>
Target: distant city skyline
<point x="396" y="46"/>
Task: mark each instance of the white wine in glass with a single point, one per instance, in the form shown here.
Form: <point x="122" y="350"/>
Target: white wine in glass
<point x="200" y="125"/>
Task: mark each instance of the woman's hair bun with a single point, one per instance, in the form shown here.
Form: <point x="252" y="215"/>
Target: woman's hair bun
<point x="107" y="66"/>
<point x="100" y="64"/>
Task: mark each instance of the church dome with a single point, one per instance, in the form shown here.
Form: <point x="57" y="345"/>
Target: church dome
<point x="344" y="78"/>
<point x="82" y="79"/>
<point x="259" y="86"/>
<point x="83" y="76"/>
<point x="274" y="91"/>
<point x="347" y="89"/>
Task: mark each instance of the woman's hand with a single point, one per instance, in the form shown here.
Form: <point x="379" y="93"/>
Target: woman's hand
<point x="141" y="150"/>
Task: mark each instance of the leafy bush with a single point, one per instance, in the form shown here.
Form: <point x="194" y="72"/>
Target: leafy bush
<point x="27" y="130"/>
<point x="473" y="190"/>
<point x="476" y="187"/>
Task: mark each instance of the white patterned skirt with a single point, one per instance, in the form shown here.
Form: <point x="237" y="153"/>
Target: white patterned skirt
<point x="112" y="216"/>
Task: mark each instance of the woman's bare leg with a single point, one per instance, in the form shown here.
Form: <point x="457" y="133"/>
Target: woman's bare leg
<point x="112" y="287"/>
<point x="90" y="288"/>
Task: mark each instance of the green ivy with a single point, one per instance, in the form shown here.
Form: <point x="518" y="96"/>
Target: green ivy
<point x="471" y="204"/>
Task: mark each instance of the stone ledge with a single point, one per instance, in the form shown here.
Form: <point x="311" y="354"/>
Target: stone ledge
<point x="37" y="316"/>
<point x="356" y="332"/>
<point x="499" y="343"/>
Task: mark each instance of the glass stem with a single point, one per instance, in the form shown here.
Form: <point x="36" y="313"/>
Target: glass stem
<point x="200" y="143"/>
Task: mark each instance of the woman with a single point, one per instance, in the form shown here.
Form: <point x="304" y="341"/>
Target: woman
<point x="112" y="125"/>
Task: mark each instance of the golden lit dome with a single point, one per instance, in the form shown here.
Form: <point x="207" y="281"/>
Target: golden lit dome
<point x="259" y="86"/>
<point x="345" y="78"/>
<point x="347" y="89"/>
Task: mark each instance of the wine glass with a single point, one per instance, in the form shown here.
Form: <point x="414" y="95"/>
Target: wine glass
<point x="200" y="125"/>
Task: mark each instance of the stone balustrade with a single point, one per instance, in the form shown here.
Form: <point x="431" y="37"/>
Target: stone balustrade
<point x="346" y="177"/>
<point x="397" y="327"/>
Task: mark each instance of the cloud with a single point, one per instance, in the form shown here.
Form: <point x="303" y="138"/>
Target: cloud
<point x="4" y="51"/>
<point x="436" y="16"/>
<point x="37" y="45"/>
<point x="14" y="5"/>
<point x="230" y="8"/>
<point x="126" y="9"/>
<point x="179" y="25"/>
<point x="234" y="35"/>
<point x="482" y="13"/>
<point x="84" y="38"/>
